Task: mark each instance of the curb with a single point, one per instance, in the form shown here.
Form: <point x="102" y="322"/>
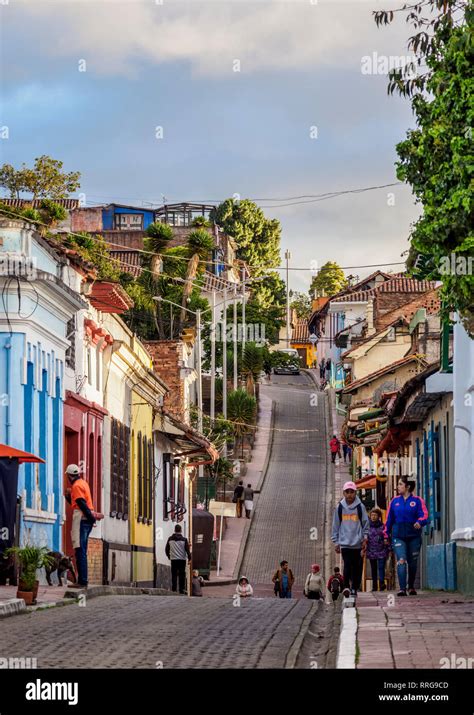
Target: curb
<point x="292" y="655"/>
<point x="243" y="543"/>
<point x="12" y="607"/>
<point x="311" y="374"/>
<point x="346" y="649"/>
<point x="94" y="591"/>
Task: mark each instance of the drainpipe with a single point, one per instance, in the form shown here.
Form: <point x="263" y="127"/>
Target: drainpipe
<point x="8" y="359"/>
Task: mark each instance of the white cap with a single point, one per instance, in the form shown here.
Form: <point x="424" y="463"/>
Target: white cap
<point x="73" y="470"/>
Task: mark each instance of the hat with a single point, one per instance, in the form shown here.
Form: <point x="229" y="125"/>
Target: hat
<point x="73" y="470"/>
<point x="349" y="485"/>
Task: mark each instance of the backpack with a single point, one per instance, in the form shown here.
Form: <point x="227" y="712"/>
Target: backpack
<point x="359" y="511"/>
<point x="335" y="585"/>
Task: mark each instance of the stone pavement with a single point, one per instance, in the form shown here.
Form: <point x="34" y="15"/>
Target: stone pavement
<point x="47" y="596"/>
<point x="157" y="631"/>
<point x="416" y="631"/>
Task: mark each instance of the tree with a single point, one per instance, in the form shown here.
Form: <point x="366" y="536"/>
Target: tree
<point x="301" y="303"/>
<point x="45" y="180"/>
<point x="200" y="244"/>
<point x="257" y="237"/>
<point x="252" y="365"/>
<point x="241" y="411"/>
<point x="436" y="158"/>
<point x="329" y="280"/>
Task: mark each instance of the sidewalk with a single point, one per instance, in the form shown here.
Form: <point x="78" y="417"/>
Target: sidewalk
<point x="416" y="631"/>
<point x="233" y="544"/>
<point x="47" y="596"/>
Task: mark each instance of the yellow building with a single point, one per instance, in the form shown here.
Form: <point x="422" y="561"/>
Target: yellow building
<point x="300" y="342"/>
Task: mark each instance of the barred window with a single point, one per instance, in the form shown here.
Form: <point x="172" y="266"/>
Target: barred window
<point x="119" y="470"/>
<point x="145" y="478"/>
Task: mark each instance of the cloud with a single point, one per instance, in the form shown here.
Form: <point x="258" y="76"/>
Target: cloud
<point x="115" y="37"/>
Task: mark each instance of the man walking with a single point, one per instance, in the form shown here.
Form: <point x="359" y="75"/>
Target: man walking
<point x="248" y="499"/>
<point x="177" y="550"/>
<point x="238" y="498"/>
<point x="283" y="580"/>
<point x="335" y="447"/>
<point x="350" y="528"/>
<point x="83" y="519"/>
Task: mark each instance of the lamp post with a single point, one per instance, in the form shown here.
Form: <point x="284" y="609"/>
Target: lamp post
<point x="287" y="258"/>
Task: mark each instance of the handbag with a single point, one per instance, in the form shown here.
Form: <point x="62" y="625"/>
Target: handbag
<point x="235" y="499"/>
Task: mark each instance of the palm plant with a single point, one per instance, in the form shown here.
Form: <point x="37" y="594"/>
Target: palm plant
<point x="241" y="412"/>
<point x="31" y="558"/>
<point x="252" y="365"/>
<point x="158" y="237"/>
<point x="200" y="244"/>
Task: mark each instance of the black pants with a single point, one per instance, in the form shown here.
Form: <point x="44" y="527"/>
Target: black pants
<point x="178" y="571"/>
<point x="352" y="568"/>
<point x="333" y="457"/>
<point x="314" y="595"/>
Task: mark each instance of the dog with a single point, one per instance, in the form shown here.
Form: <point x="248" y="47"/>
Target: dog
<point x="62" y="564"/>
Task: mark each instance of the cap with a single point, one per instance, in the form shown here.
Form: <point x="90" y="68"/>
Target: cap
<point x="349" y="485"/>
<point x="73" y="470"/>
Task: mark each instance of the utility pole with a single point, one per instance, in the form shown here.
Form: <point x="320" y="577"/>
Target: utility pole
<point x="244" y="329"/>
<point x="213" y="356"/>
<point x="234" y="336"/>
<point x="287" y="258"/>
<point x="224" y="356"/>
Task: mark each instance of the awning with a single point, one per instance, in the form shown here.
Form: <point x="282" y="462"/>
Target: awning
<point x="368" y="482"/>
<point x="190" y="443"/>
<point x="12" y="453"/>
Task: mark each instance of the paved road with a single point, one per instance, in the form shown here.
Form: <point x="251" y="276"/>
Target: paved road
<point x="178" y="632"/>
<point x="290" y="511"/>
<point x="157" y="631"/>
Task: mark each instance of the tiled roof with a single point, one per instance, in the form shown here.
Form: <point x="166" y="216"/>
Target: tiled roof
<point x="300" y="332"/>
<point x="129" y="261"/>
<point x="378" y="373"/>
<point x="212" y="282"/>
<point x="431" y="302"/>
<point x="402" y="284"/>
<point x="35" y="203"/>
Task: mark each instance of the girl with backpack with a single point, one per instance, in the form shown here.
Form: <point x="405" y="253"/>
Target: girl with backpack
<point x="406" y="517"/>
<point x="377" y="549"/>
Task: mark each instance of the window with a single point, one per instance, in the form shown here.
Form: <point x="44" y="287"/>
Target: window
<point x="145" y="478"/>
<point x="119" y="470"/>
<point x="98" y="365"/>
<point x="71" y="336"/>
<point x="127" y="222"/>
<point x="89" y="366"/>
<point x="166" y="484"/>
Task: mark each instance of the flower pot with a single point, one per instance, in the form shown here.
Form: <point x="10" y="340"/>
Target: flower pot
<point x="24" y="589"/>
<point x="27" y="596"/>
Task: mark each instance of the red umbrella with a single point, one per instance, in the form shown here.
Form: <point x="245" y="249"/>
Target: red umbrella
<point x="6" y="451"/>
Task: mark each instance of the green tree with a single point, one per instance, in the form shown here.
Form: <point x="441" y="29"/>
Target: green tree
<point x="45" y="180"/>
<point x="252" y="365"/>
<point x="301" y="303"/>
<point x="200" y="244"/>
<point x="257" y="237"/>
<point x="241" y="412"/>
<point x="436" y="158"/>
<point x="329" y="280"/>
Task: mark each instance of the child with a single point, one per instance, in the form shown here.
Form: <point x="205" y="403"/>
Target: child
<point x="197" y="583"/>
<point x="335" y="584"/>
<point x="244" y="589"/>
<point x="377" y="550"/>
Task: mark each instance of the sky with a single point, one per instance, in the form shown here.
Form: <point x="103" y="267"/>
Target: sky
<point x="202" y="100"/>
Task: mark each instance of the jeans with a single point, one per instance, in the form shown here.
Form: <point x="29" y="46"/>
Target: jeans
<point x="407" y="550"/>
<point x="285" y="593"/>
<point x="352" y="568"/>
<point x="178" y="572"/>
<point x="378" y="570"/>
<point x="81" y="552"/>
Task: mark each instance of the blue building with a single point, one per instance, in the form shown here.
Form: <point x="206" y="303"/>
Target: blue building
<point x="37" y="308"/>
<point x="126" y="218"/>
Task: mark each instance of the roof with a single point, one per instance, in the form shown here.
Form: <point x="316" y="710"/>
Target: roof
<point x="130" y="261"/>
<point x="109" y="297"/>
<point x="300" y="333"/>
<point x="397" y="406"/>
<point x="409" y="308"/>
<point x="379" y="373"/>
<point x="36" y="203"/>
<point x="189" y="441"/>
<point x="379" y="335"/>
<point x="403" y="284"/>
<point x="212" y="282"/>
<point x="371" y="277"/>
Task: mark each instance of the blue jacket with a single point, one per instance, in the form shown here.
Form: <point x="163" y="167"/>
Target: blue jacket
<point x="403" y="514"/>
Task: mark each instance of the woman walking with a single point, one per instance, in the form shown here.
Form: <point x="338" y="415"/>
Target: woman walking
<point x="377" y="550"/>
<point x="314" y="584"/>
<point x="406" y="517"/>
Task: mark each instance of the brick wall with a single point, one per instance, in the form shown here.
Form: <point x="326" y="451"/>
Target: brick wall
<point x="394" y="305"/>
<point x="83" y="219"/>
<point x="94" y="560"/>
<point x="166" y="356"/>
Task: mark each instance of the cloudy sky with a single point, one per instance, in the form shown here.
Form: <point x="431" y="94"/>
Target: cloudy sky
<point x="263" y="99"/>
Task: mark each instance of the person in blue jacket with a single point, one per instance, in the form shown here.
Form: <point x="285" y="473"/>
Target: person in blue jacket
<point x="406" y="517"/>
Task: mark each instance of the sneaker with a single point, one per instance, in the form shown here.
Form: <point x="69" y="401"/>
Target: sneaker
<point x="346" y="593"/>
<point x="412" y="592"/>
<point x="402" y="593"/>
<point x="382" y="587"/>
